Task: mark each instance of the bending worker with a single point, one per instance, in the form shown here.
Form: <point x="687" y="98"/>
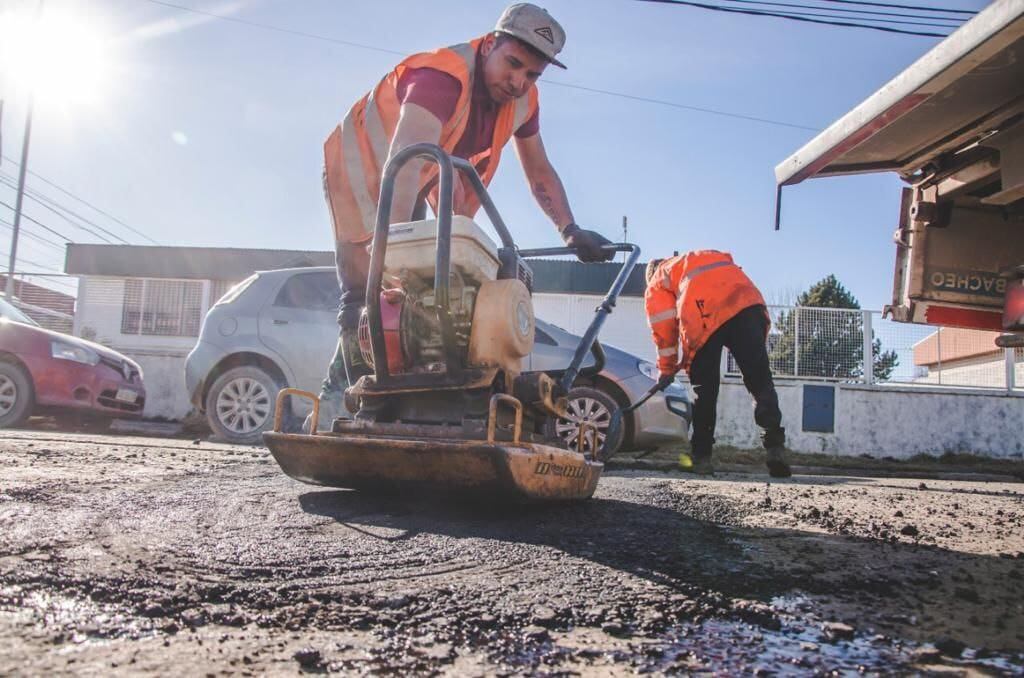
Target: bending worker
<point x="701" y="301"/>
<point x="470" y="99"/>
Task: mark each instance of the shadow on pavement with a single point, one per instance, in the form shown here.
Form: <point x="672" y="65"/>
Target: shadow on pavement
<point x="685" y="543"/>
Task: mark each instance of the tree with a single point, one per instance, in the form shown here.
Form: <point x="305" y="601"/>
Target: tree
<point x="830" y="344"/>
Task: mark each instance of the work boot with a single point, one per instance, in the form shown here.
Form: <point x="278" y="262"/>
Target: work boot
<point x="776" y="462"/>
<point x="702" y="466"/>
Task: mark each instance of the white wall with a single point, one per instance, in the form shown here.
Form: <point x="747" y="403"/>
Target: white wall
<point x="626" y="327"/>
<point x="98" y="313"/>
<point x="98" y="318"/>
<point x="886" y="421"/>
<point x="164" y="371"/>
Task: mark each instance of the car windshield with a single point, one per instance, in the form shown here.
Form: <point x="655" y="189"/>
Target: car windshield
<point x="8" y="310"/>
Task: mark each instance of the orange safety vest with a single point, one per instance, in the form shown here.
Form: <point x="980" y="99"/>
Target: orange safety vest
<point x="355" y="152"/>
<point x="689" y="297"/>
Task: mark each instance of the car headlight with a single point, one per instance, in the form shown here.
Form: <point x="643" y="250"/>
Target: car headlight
<point x="80" y="354"/>
<point x="649" y="370"/>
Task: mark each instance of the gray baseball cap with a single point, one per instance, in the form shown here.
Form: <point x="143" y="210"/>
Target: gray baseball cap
<point x="534" y="26"/>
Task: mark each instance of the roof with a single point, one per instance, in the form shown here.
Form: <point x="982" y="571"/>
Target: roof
<point x="968" y="84"/>
<point x="955" y="343"/>
<point x="575" y="277"/>
<point x="196" y="263"/>
<point x="221" y="263"/>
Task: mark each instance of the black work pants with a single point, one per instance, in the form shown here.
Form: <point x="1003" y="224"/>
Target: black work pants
<point x="744" y="336"/>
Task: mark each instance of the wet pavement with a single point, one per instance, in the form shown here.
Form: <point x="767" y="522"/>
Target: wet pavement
<point x="133" y="555"/>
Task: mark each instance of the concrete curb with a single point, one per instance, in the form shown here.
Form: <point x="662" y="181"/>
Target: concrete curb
<point x="673" y="467"/>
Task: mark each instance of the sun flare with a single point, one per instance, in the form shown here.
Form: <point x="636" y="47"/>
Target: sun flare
<point x="62" y="57"/>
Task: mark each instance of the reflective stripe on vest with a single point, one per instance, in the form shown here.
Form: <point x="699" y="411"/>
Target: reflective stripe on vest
<point x="669" y="314"/>
<point x="665" y="352"/>
<point x="468" y="54"/>
<point x="357" y="179"/>
<point x="694" y="272"/>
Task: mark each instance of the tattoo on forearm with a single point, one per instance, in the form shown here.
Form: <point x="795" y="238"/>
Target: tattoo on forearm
<point x="547" y="203"/>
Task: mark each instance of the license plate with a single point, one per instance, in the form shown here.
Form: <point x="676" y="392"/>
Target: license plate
<point x="126" y="395"/>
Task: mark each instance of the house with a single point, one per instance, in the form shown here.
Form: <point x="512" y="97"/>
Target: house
<point x="149" y="303"/>
<point x="953" y="355"/>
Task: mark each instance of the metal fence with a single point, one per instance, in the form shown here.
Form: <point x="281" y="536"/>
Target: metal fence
<point x="833" y="344"/>
<point x="49" y="299"/>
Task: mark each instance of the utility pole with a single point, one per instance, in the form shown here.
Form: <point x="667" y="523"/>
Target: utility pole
<point x="9" y="289"/>
<point x="22" y="170"/>
<point x="625" y="234"/>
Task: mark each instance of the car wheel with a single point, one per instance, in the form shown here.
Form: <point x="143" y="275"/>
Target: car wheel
<point x="593" y="406"/>
<point x="240" y="404"/>
<point x="16" y="395"/>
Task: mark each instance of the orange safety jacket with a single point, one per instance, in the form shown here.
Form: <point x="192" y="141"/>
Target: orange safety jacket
<point x="355" y="152"/>
<point x="689" y="297"/>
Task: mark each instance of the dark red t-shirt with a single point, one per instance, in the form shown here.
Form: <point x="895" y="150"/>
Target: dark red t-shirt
<point x="438" y="92"/>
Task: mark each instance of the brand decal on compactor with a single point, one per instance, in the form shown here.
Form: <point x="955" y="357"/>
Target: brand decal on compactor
<point x="545" y="468"/>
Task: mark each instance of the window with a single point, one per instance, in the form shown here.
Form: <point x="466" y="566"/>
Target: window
<point x="311" y="291"/>
<point x="162" y="307"/>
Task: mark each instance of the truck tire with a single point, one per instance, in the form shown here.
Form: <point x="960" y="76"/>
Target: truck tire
<point x="17" y="395"/>
<point x="591" y="405"/>
<point x="240" y="405"/>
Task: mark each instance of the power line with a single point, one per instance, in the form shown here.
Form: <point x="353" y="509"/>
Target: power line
<point x="900" y="15"/>
<point x="969" y="12"/>
<point x="620" y="95"/>
<point x="39" y="223"/>
<point x="10" y="227"/>
<point x="43" y="204"/>
<point x="686" y="107"/>
<point x="792" y="14"/>
<point x="53" y="206"/>
<point x="753" y="12"/>
<point x="85" y="202"/>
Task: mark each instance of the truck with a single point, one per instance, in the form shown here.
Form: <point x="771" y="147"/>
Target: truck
<point x="952" y="127"/>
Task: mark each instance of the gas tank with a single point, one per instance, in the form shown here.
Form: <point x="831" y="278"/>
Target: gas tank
<point x="412" y="246"/>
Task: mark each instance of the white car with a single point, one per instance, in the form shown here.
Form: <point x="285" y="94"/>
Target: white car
<point x="278" y="329"/>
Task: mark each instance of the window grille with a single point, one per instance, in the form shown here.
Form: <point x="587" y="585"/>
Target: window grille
<point x="162" y="307"/>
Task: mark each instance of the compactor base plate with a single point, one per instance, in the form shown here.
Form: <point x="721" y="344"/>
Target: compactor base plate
<point x="524" y="471"/>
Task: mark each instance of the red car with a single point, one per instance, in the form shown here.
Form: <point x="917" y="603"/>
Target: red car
<point x="42" y="371"/>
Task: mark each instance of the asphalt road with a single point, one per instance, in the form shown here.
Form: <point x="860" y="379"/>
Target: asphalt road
<point x="135" y="555"/>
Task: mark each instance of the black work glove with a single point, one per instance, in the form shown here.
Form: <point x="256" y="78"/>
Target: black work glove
<point x="587" y="244"/>
<point x="665" y="380"/>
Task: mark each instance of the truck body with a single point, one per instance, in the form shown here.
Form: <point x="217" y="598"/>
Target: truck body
<point x="952" y="126"/>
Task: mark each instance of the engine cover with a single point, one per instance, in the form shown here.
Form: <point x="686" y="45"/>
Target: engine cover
<point x="503" y="326"/>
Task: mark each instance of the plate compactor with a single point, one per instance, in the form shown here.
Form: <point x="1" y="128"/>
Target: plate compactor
<point x="448" y="321"/>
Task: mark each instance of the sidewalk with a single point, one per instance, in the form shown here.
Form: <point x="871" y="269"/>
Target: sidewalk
<point x="731" y="460"/>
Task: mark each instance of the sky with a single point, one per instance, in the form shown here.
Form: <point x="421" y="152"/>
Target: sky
<point x="199" y="131"/>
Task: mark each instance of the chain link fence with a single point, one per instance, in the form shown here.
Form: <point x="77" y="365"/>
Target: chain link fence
<point x="855" y="346"/>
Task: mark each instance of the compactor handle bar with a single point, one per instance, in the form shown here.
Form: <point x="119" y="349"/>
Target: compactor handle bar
<point x="589" y="342"/>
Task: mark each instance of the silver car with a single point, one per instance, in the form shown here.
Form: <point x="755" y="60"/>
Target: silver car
<point x="278" y="329"/>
